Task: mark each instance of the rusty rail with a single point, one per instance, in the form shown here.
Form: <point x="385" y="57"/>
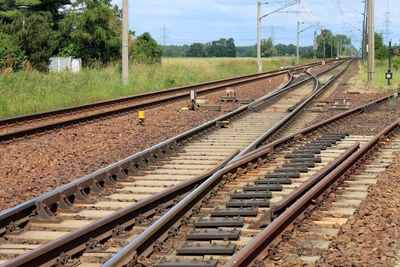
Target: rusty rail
<point x="143" y="241"/>
<point x="274" y="129"/>
<point x="252" y="157"/>
<point x="19" y="119"/>
<point x="262" y="244"/>
<point x="117" y="171"/>
<point x="54" y="196"/>
<point x="305" y="131"/>
<point x="181" y="91"/>
<point x="75" y="242"/>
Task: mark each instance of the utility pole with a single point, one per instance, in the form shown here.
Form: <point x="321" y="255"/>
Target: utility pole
<point x="371" y="42"/>
<point x="332" y="48"/>
<point x="337" y="49"/>
<point x="298" y="31"/>
<point x="125" y="36"/>
<point x="389" y="72"/>
<point x="298" y="37"/>
<point x="364" y="33"/>
<point x="259" y="18"/>
<point x="324" y="32"/>
<point x="298" y="48"/>
<point x="315" y="48"/>
<point x="259" y="62"/>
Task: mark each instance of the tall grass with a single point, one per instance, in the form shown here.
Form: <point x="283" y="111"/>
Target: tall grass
<point x="381" y="67"/>
<point x="30" y="91"/>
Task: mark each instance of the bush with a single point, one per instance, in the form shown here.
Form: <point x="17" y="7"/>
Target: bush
<point x="381" y="53"/>
<point x="146" y="50"/>
<point x="307" y="55"/>
<point x="11" y="55"/>
<point x="396" y="62"/>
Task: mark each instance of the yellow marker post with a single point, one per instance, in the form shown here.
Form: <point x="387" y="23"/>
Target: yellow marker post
<point x="141" y="117"/>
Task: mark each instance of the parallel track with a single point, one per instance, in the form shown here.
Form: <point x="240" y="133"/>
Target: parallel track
<point x="22" y="126"/>
<point x="174" y="172"/>
<point x="348" y="180"/>
<point x="207" y="227"/>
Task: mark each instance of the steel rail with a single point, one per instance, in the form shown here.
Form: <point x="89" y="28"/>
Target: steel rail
<point x="83" y="119"/>
<point x="288" y="200"/>
<point x="309" y="129"/>
<point x="120" y="169"/>
<point x="140" y="243"/>
<point x="48" y="199"/>
<point x="75" y="241"/>
<point x="19" y="119"/>
<point x="145" y="239"/>
<point x="252" y="157"/>
<point x="67" y="122"/>
<point x="258" y="247"/>
<point x="256" y="143"/>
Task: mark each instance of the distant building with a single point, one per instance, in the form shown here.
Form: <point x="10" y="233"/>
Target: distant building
<point x="59" y="64"/>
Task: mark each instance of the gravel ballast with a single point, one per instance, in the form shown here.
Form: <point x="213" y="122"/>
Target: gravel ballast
<point x="36" y="165"/>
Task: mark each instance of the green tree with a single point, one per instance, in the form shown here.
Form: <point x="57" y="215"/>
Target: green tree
<point x="196" y="50"/>
<point x="176" y="50"/>
<point x="245" y="51"/>
<point x="285" y="50"/>
<point x="11" y="55"/>
<point x="147" y="50"/>
<point x="267" y="48"/>
<point x="52" y="6"/>
<point x="230" y="49"/>
<point x="282" y="50"/>
<point x="221" y="48"/>
<point x="381" y="50"/>
<point x="329" y="42"/>
<point x="9" y="8"/>
<point x="37" y="38"/>
<point x="87" y="31"/>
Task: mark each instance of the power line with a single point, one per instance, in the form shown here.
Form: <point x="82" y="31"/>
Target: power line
<point x="165" y="36"/>
<point x="387" y="33"/>
<point x="273" y="28"/>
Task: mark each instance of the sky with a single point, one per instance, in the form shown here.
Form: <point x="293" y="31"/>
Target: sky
<point x="186" y="22"/>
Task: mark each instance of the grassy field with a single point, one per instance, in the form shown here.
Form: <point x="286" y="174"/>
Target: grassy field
<point x="27" y="91"/>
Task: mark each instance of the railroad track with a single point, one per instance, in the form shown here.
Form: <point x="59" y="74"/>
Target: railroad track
<point x="226" y="220"/>
<point x="319" y="230"/>
<point x="22" y="126"/>
<point x="57" y="217"/>
<point x="348" y="183"/>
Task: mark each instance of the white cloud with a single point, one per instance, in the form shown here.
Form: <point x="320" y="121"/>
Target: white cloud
<point x="210" y="19"/>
